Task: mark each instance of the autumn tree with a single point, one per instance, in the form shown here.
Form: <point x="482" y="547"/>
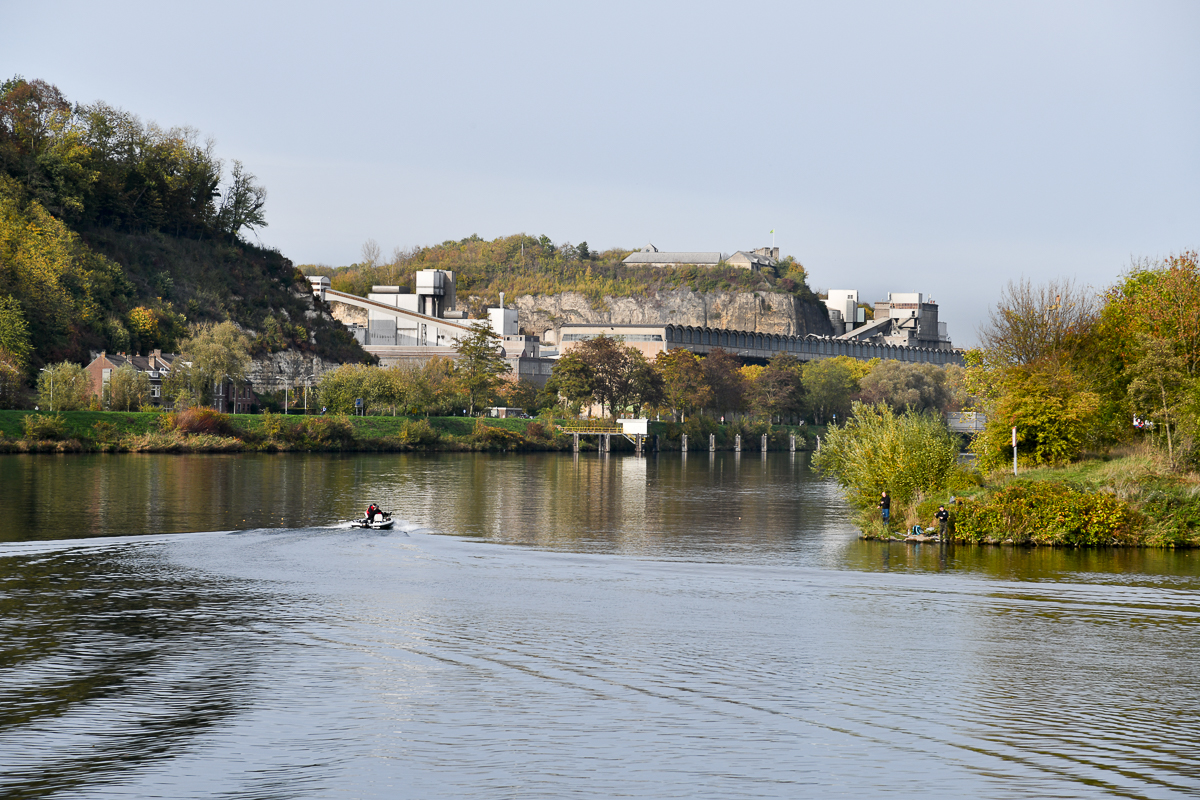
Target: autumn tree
<point x="722" y="374"/>
<point x="685" y="385"/>
<point x="1031" y="322"/>
<point x="778" y="389"/>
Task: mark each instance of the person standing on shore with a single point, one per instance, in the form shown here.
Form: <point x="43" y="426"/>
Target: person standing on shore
<point x="885" y="505"/>
<point x="943" y="519"/>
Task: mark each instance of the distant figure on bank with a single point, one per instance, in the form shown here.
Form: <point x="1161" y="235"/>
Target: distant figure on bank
<point x="943" y="518"/>
<point x="885" y="505"/>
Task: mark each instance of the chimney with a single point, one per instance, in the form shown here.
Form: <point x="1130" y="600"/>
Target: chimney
<point x="502" y="299"/>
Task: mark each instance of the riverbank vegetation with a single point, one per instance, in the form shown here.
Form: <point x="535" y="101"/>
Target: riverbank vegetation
<point x="202" y="430"/>
<point x="1080" y="375"/>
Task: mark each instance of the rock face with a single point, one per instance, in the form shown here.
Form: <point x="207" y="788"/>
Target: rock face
<point x="274" y="371"/>
<point x="761" y="312"/>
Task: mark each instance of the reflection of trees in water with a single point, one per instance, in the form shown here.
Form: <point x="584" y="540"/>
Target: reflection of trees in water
<point x="145" y="658"/>
<point x="1128" y="566"/>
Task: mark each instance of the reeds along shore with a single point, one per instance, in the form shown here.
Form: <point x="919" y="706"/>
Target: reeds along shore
<point x="206" y="431"/>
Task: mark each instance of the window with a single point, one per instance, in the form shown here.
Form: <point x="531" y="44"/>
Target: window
<point x="621" y="337"/>
<point x="156" y="391"/>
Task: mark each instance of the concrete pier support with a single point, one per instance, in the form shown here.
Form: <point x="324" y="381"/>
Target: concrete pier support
<point x="657" y="442"/>
<point x="576" y="442"/>
<point x="764" y="443"/>
<point x="737" y="443"/>
<point x="683" y="443"/>
<point x="712" y="442"/>
<point x="637" y="443"/>
<point x="792" y="448"/>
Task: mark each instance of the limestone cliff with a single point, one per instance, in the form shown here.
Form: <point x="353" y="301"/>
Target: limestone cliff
<point x="762" y="312"/>
<point x="272" y="371"/>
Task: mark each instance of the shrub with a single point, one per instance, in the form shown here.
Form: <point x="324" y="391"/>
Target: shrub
<point x="418" y="433"/>
<point x="1047" y="512"/>
<point x="105" y="432"/>
<point x="494" y="437"/>
<point x="535" y="430"/>
<point x="909" y="455"/>
<point x="198" y="421"/>
<point x="44" y="426"/>
<point x="329" y="431"/>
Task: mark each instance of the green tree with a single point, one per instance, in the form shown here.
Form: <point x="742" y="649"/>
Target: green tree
<point x="685" y="386"/>
<point x="830" y="384"/>
<point x="14" y="333"/>
<point x="339" y="388"/>
<point x="640" y="384"/>
<point x="1159" y="385"/>
<point x="480" y="365"/>
<point x="242" y="204"/>
<point x="572" y="379"/>
<point x="922" y="387"/>
<point x="127" y="389"/>
<point x="64" y="387"/>
<point x="10" y="380"/>
<point x="212" y="355"/>
<point x="1054" y="414"/>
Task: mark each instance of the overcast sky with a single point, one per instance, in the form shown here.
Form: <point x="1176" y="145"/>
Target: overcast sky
<point x="936" y="147"/>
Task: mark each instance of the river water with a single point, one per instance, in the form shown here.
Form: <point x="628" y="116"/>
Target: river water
<point x="552" y="626"/>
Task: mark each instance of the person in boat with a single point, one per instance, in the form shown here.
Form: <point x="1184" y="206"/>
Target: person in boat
<point x="373" y="511"/>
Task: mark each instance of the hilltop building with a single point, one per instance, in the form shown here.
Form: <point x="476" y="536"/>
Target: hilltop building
<point x="649" y="256"/>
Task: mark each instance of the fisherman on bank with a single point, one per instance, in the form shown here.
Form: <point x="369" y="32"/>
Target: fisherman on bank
<point x="885" y="505"/>
<point x="943" y="519"/>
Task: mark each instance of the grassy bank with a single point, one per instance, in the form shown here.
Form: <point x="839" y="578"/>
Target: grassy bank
<point x="1130" y="499"/>
<point x="204" y="431"/>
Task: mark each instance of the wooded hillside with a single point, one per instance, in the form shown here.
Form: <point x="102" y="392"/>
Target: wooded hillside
<point x="117" y="234"/>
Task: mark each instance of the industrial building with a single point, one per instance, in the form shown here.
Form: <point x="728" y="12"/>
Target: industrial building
<point x="905" y="319"/>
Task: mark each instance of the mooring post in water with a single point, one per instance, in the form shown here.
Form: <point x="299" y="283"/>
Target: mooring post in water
<point x="818" y="444"/>
<point x="657" y="442"/>
<point x="737" y="443"/>
<point x="764" y="443"/>
<point x="792" y="447"/>
<point x="712" y="442"/>
<point x="683" y="445"/>
<point x="637" y="443"/>
<point x="577" y="443"/>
